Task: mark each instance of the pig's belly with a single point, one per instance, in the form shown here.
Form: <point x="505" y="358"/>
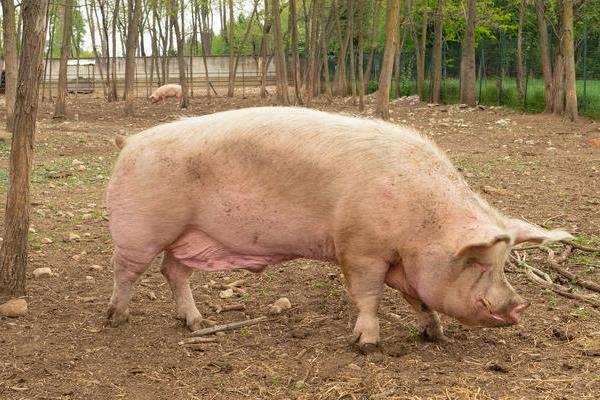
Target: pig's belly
<point x="197" y="249"/>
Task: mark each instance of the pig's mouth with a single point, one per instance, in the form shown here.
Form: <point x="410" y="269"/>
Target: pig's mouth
<point x="495" y="316"/>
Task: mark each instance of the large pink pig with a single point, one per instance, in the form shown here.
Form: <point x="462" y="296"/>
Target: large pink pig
<point x="166" y="91"/>
<point x="257" y="186"/>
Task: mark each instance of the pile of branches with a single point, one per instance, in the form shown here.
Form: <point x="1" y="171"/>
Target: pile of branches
<point x="579" y="288"/>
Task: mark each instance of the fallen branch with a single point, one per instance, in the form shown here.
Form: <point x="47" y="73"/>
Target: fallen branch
<point x="195" y="340"/>
<point x="546" y="281"/>
<point x="227" y="327"/>
<point x="554" y="264"/>
<point x="581" y="247"/>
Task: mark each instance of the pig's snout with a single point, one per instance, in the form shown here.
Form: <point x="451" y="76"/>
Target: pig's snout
<point x="515" y="313"/>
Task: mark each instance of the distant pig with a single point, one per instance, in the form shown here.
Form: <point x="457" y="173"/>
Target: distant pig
<point x="166" y="91"/>
<point x="258" y="186"/>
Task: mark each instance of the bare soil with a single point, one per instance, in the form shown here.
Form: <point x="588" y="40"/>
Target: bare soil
<point x="535" y="167"/>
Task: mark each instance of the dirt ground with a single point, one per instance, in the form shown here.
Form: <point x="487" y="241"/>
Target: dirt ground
<point x="531" y="166"/>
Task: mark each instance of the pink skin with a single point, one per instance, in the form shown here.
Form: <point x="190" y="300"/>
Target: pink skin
<point x="253" y="187"/>
<point x="166" y="91"/>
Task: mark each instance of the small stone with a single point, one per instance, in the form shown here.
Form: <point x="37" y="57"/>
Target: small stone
<point x="503" y="122"/>
<point x="90" y="279"/>
<point x="96" y="267"/>
<point x="353" y="367"/>
<point x="74" y="237"/>
<point x="42" y="272"/>
<point x="275" y="310"/>
<point x="76" y="257"/>
<point x="76" y="162"/>
<point x="152" y="295"/>
<point x="46" y="241"/>
<point x="87" y="235"/>
<point x="220" y="334"/>
<point x="14" y="308"/>
<point x="69" y="214"/>
<point x="225" y="294"/>
<point x="284" y="303"/>
<point x="32" y="230"/>
<point x="81" y="167"/>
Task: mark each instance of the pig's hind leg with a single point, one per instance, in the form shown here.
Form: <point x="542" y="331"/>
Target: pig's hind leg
<point x="126" y="272"/>
<point x="178" y="276"/>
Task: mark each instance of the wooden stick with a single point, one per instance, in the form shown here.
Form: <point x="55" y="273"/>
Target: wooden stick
<point x="554" y="264"/>
<point x="194" y="340"/>
<point x="581" y="247"/>
<point x="227" y="327"/>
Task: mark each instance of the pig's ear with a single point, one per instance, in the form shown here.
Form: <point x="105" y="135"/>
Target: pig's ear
<point x="477" y="245"/>
<point x="525" y="232"/>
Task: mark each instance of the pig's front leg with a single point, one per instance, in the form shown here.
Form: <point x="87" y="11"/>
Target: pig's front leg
<point x="178" y="276"/>
<point x="364" y="281"/>
<point x="429" y="321"/>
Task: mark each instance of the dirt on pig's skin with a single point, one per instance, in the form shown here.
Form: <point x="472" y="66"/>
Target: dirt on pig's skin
<point x="542" y="168"/>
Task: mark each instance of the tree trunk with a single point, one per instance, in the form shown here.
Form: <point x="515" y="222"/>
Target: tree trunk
<point x="361" y="50"/>
<point x="10" y="60"/>
<point x="520" y="67"/>
<point x="115" y="22"/>
<point x="263" y="53"/>
<point x="385" y="77"/>
<point x="230" y="35"/>
<point x="351" y="51"/>
<point x="280" y="56"/>
<point x="295" y="54"/>
<point x="436" y="74"/>
<point x="420" y="45"/>
<point x="341" y="86"/>
<point x="238" y="53"/>
<point x="60" y="106"/>
<point x="312" y="52"/>
<point x="569" y="54"/>
<point x="325" y="55"/>
<point x="132" y="41"/>
<point x="373" y="41"/>
<point x="13" y="251"/>
<point x="545" y="55"/>
<point x="467" y="62"/>
<point x="184" y="103"/>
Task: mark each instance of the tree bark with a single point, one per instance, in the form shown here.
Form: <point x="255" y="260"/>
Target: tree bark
<point x="545" y="55"/>
<point x="296" y="56"/>
<point x="10" y="60"/>
<point x="385" y="77"/>
<point x="231" y="54"/>
<point x="13" y="251"/>
<point x="351" y="51"/>
<point x="569" y="54"/>
<point x="280" y="56"/>
<point x="467" y="62"/>
<point x="373" y="41"/>
<point x="180" y="58"/>
<point x="60" y="106"/>
<point x="436" y="74"/>
<point x="520" y="67"/>
<point x="132" y="41"/>
<point x="263" y="52"/>
<point x="420" y="45"/>
<point x="361" y="50"/>
<point x="312" y="52"/>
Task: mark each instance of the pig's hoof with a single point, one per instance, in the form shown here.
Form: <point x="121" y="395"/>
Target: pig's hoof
<point x="368" y="348"/>
<point x="437" y="337"/>
<point x="116" y="317"/>
<point x="195" y="323"/>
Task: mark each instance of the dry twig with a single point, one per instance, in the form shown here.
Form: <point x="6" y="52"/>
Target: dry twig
<point x="226" y="327"/>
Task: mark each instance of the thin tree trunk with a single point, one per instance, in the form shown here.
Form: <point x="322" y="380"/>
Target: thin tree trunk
<point x="569" y="54"/>
<point x="10" y="60"/>
<point x="263" y="53"/>
<point x="361" y="50"/>
<point x="467" y="62"/>
<point x="132" y="41"/>
<point x="295" y="54"/>
<point x="280" y="56"/>
<point x="45" y="77"/>
<point x="519" y="62"/>
<point x="60" y="106"/>
<point x="436" y="74"/>
<point x="373" y="41"/>
<point x="230" y="32"/>
<point x="545" y="55"/>
<point x="420" y="44"/>
<point x="233" y="74"/>
<point x="113" y="91"/>
<point x="351" y="51"/>
<point x="202" y="21"/>
<point x="92" y="26"/>
<point x="13" y="251"/>
<point x="312" y="52"/>
<point x="341" y="87"/>
<point x="180" y="58"/>
<point x="325" y="56"/>
<point x="385" y="78"/>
